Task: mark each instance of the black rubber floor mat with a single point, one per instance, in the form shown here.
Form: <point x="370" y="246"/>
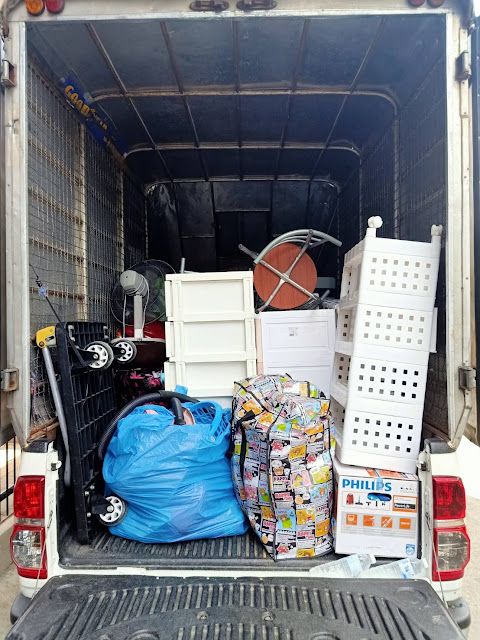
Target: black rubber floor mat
<point x="106" y="550"/>
<point x="149" y="608"/>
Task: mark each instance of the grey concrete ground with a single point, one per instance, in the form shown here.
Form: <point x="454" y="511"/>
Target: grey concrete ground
<point x="471" y="589"/>
<point x="8" y="591"/>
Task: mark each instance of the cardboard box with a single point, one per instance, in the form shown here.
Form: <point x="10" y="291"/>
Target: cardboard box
<point x="376" y="511"/>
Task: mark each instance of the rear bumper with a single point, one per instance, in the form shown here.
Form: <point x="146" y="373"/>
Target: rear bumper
<point x="460" y="612"/>
<point x="19" y="606"/>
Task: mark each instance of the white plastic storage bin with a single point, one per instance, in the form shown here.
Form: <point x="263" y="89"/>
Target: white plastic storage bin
<point x="201" y="341"/>
<point x="207" y="297"/>
<point x="386" y="327"/>
<point x="392" y="273"/>
<point x="379" y="386"/>
<point x="210" y="332"/>
<point x="376" y="440"/>
<point x="375" y="330"/>
<point x="209" y="380"/>
<point x="300" y="343"/>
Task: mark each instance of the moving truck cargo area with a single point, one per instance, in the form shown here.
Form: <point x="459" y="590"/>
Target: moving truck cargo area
<point x="150" y="130"/>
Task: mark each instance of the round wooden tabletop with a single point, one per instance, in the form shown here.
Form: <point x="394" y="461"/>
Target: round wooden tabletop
<point x="304" y="273"/>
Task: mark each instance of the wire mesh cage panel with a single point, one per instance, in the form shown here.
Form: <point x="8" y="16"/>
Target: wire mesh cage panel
<point x="86" y="220"/>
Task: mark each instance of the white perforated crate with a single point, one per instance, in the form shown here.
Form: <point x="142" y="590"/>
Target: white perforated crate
<point x="386" y="327"/>
<point x="392" y="273"/>
<point x="372" y="330"/>
<point x="376" y="440"/>
<point x="209" y="297"/>
<point x="380" y="386"/>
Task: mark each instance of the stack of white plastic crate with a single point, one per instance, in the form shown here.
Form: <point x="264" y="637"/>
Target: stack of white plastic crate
<point x="384" y="326"/>
<point x="210" y="333"/>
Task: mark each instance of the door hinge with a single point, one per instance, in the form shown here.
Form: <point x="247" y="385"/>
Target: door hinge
<point x="463" y="67"/>
<point x="9" y="380"/>
<point x="467" y="378"/>
<point x="256" y="5"/>
<point x="209" y="5"/>
<point x="8" y="76"/>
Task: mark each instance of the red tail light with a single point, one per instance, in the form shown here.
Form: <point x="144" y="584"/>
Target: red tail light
<point x="29" y="497"/>
<point x="27" y="548"/>
<point x="450" y="539"/>
<point x="27" y="542"/>
<point x="55" y="6"/>
<point x="448" y="498"/>
<point x="416" y="3"/>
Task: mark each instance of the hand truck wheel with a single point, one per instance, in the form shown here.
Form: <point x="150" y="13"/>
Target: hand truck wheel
<point x="128" y="347"/>
<point x="116" y="511"/>
<point x="104" y="352"/>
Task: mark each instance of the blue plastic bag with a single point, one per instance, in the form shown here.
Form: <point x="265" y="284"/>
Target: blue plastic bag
<point x="175" y="479"/>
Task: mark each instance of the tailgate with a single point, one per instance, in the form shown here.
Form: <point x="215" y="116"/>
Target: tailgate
<point x="149" y="608"/>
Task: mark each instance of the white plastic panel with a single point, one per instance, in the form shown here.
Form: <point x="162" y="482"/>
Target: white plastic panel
<point x="209" y="380"/>
<point x="209" y="296"/>
<point x="300" y="343"/>
<point x="211" y="341"/>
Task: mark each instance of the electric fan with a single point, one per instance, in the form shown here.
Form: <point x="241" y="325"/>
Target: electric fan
<point x="138" y="305"/>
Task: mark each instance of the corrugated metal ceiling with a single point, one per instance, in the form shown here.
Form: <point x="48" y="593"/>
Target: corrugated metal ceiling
<point x="254" y="97"/>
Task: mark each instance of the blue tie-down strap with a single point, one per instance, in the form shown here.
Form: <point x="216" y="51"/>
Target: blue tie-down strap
<point x="175" y="479"/>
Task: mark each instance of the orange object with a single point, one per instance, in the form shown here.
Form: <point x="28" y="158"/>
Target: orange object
<point x="405" y="523"/>
<point x="386" y="522"/>
<point x="352" y="519"/>
<point x="304" y="273"/>
<point x="368" y="521"/>
<point x="35" y="7"/>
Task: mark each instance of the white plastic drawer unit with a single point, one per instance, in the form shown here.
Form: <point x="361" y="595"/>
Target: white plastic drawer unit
<point x="210" y="333"/>
<point x="300" y="343"/>
<point x="208" y="380"/>
<point x="206" y="297"/>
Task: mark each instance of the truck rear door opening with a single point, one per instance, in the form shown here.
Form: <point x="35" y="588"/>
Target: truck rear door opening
<point x="178" y="135"/>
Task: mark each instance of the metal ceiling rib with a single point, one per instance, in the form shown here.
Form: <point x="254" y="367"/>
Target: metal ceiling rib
<point x="178" y="79"/>
<point x="293" y="86"/>
<point x="159" y="92"/>
<point x="353" y="86"/>
<point x="238" y="103"/>
<point x="104" y="53"/>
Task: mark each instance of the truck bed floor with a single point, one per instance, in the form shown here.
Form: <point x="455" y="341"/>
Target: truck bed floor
<point x="235" y="552"/>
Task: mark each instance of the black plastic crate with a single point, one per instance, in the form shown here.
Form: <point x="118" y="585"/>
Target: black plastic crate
<point x="89" y="405"/>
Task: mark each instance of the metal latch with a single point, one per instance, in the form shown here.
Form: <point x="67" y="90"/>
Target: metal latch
<point x="209" y="5"/>
<point x="467" y="378"/>
<point x="463" y="67"/>
<point x="9" y="380"/>
<point x="256" y="5"/>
